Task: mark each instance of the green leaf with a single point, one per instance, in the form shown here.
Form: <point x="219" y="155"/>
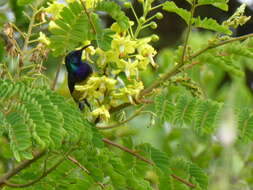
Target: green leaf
<point x="73" y="27"/>
<point x="24" y="2"/>
<point x="104" y="39"/>
<point x="2" y="123"/>
<point x="164" y="108"/>
<point x="199" y="175"/>
<point x="227" y="63"/>
<point x="161" y="160"/>
<point x="165" y="182"/>
<point x="97" y="138"/>
<point x="245" y="125"/>
<point x="19" y="134"/>
<point x="115" y="12"/>
<point x="172" y="7"/>
<point x="184" y="110"/>
<point x="211" y="24"/>
<point x="205" y="116"/>
<point x="221" y="4"/>
<point x="40" y="118"/>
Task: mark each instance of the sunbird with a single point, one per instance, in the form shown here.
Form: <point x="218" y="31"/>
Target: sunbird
<point x="78" y="72"/>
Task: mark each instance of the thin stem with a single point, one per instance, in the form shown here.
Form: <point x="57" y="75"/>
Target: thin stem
<point x="176" y="69"/>
<point x="145" y="26"/>
<point x="89" y="17"/>
<point x="32" y="41"/>
<point x="78" y="164"/>
<point x="20" y="167"/>
<point x="135" y="15"/>
<point x="150" y="18"/>
<point x="29" y="18"/>
<point x="240" y="38"/>
<point x="107" y="141"/>
<point x="187" y="34"/>
<point x="56" y="76"/>
<point x="40" y="23"/>
<point x="156" y="7"/>
<point x="137" y="112"/>
<point x="29" y="32"/>
<point x="19" y="31"/>
<point x="44" y="174"/>
<point x="139" y="27"/>
<point x="183" y="181"/>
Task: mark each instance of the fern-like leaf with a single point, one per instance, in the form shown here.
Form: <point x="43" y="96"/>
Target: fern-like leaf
<point x="115" y="12"/>
<point x="39" y="118"/>
<point x="184" y="110"/>
<point x="205" y="117"/>
<point x="199" y="175"/>
<point x="73" y="27"/>
<point x="245" y="125"/>
<point x="172" y="7"/>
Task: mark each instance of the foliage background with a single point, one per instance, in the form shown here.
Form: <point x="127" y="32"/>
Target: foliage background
<point x="226" y="160"/>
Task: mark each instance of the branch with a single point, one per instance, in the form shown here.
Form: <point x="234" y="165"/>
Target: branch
<point x="183" y="181"/>
<point x="56" y="76"/>
<point x="78" y="164"/>
<point x="44" y="174"/>
<point x="240" y="38"/>
<point x="89" y="17"/>
<point x="20" y="167"/>
<point x="187" y="35"/>
<point x="137" y="112"/>
<point x="30" y="28"/>
<point x="176" y="69"/>
<point x="107" y="141"/>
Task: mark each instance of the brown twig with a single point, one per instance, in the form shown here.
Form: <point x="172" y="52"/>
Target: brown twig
<point x="107" y="141"/>
<point x="89" y="17"/>
<point x="137" y="112"/>
<point x="240" y="38"/>
<point x="44" y="174"/>
<point x="56" y="76"/>
<point x="78" y="164"/>
<point x="20" y="167"/>
<point x="183" y="181"/>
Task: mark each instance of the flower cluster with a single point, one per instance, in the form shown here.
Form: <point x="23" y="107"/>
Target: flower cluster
<point x="118" y="80"/>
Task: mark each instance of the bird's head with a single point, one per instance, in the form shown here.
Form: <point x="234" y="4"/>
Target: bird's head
<point x="74" y="59"/>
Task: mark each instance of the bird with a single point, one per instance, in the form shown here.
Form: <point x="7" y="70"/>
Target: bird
<point x="78" y="72"/>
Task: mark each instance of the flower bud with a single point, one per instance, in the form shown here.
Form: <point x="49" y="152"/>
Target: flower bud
<point x="142" y="20"/>
<point x="153" y="25"/>
<point x="127" y="4"/>
<point x="159" y="15"/>
<point x="154" y="38"/>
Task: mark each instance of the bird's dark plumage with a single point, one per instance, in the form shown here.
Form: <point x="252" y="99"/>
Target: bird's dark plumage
<point x="78" y="71"/>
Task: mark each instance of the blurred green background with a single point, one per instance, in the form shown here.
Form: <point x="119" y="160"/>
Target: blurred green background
<point x="230" y="167"/>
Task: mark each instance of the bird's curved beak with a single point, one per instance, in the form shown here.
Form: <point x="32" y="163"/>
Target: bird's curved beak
<point x="85" y="47"/>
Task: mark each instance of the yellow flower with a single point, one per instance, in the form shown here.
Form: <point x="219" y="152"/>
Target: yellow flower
<point x="131" y="90"/>
<point x="128" y="67"/>
<point x="124" y="44"/>
<point x="52" y="25"/>
<point x="90" y="3"/>
<point x="54" y="9"/>
<point x="101" y="112"/>
<point x="116" y="28"/>
<point x="43" y="39"/>
<point x="96" y="87"/>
